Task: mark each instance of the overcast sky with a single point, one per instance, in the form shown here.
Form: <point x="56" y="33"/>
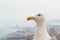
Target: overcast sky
<point x="17" y="10"/>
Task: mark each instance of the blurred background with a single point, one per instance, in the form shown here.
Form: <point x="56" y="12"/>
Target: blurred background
<point x="13" y="23"/>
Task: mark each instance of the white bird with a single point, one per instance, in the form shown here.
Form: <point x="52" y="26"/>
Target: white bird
<point x="41" y="30"/>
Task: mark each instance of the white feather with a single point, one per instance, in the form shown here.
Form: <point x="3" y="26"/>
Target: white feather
<point x="41" y="30"/>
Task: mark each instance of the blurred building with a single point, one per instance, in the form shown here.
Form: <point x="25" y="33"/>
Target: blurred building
<point x="27" y="34"/>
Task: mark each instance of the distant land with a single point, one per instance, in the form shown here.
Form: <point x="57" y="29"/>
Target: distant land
<point x="13" y="26"/>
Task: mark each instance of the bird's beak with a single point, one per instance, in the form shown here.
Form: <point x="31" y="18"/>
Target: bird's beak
<point x="30" y="18"/>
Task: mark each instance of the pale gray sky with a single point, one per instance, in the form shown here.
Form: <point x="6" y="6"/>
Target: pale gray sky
<point x="12" y="12"/>
<point x="19" y="9"/>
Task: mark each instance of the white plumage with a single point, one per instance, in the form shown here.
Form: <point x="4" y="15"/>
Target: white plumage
<point x="41" y="30"/>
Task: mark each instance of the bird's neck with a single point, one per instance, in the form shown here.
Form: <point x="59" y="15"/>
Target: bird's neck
<point x="41" y="27"/>
<point x="41" y="32"/>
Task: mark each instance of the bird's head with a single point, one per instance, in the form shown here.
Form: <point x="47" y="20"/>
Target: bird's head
<point x="38" y="18"/>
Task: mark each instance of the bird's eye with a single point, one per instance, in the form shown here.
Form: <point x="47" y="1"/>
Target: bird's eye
<point x="39" y="15"/>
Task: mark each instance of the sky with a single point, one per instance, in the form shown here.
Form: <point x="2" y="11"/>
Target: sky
<point x="14" y="12"/>
<point x="19" y="9"/>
